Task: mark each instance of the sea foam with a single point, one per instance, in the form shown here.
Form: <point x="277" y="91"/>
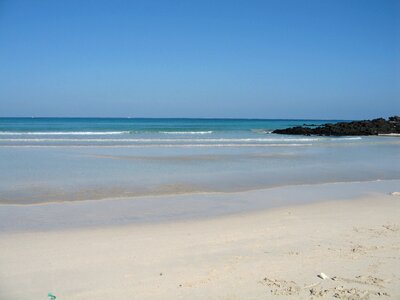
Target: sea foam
<point x="62" y="132"/>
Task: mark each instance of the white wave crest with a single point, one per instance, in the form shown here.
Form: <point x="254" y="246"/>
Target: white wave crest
<point x="175" y="140"/>
<point x="347" y="138"/>
<point x="62" y="132"/>
<point x="144" y="140"/>
<point x="164" y="145"/>
<point x="186" y="132"/>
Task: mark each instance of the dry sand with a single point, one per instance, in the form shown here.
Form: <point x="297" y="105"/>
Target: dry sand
<point x="279" y="251"/>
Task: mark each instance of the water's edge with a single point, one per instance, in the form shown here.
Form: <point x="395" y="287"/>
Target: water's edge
<point x="148" y="210"/>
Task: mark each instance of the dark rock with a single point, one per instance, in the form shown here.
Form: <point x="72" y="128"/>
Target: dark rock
<point x="366" y="127"/>
<point x="394" y="119"/>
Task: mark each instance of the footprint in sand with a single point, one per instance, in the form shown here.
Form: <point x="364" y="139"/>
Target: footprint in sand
<point x="336" y="287"/>
<point x="281" y="287"/>
<point x="391" y="227"/>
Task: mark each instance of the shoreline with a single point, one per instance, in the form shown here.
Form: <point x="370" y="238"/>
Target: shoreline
<point x="172" y="208"/>
<point x="139" y="197"/>
<point x="252" y="255"/>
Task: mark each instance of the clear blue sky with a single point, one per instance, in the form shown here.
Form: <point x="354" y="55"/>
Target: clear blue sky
<point x="252" y="59"/>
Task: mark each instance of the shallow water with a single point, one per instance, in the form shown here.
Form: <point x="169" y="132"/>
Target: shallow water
<point x="172" y="208"/>
<point x="43" y="160"/>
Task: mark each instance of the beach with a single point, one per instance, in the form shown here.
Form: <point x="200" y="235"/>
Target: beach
<point x="199" y="150"/>
<point x="195" y="209"/>
<point x="253" y="255"/>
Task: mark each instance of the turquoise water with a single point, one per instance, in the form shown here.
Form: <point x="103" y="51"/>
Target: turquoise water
<point x="144" y="132"/>
<point x="141" y="125"/>
<point x="44" y="159"/>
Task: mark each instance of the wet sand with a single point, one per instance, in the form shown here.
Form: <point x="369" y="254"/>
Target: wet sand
<point x="48" y="216"/>
<point x="355" y="241"/>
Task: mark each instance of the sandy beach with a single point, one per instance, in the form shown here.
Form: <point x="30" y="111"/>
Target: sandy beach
<point x="280" y="251"/>
<point x="199" y="150"/>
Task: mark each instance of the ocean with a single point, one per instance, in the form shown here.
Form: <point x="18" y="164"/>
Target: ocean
<point x="69" y="159"/>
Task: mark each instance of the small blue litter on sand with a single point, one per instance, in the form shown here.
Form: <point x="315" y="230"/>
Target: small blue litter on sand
<point x="51" y="296"/>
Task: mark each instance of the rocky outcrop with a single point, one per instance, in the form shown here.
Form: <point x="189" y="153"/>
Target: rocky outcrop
<point x="366" y="127"/>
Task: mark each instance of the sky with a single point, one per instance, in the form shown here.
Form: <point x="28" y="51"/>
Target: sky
<point x="330" y="59"/>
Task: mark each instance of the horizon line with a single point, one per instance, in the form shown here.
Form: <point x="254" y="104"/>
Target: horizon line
<point x="180" y="118"/>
